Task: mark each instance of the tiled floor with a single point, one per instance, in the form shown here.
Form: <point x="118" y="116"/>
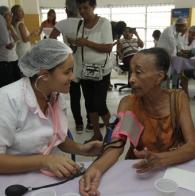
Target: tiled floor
<point x="112" y="101"/>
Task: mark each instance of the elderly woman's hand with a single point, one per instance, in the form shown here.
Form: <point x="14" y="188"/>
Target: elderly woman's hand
<point x="150" y="161"/>
<point x="89" y="182"/>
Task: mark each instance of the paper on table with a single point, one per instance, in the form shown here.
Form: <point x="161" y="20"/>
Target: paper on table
<point x="184" y="178"/>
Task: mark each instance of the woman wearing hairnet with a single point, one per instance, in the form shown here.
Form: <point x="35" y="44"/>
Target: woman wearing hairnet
<point x="33" y="116"/>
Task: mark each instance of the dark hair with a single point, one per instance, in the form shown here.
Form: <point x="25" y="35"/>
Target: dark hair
<point x="52" y="11"/>
<point x="162" y="58"/>
<point x="71" y="8"/>
<point x="156" y="34"/>
<point x="117" y="29"/>
<point x="91" y="2"/>
<point x="14" y="11"/>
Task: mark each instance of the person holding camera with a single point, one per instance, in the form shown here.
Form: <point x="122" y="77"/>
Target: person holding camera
<point x="128" y="46"/>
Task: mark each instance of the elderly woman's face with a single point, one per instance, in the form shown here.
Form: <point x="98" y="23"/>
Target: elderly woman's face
<point x="59" y="79"/>
<point x="144" y="74"/>
<point x="86" y="10"/>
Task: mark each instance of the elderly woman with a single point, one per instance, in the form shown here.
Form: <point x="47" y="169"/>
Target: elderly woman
<point x="33" y="114"/>
<point x="9" y="71"/>
<point x="160" y="144"/>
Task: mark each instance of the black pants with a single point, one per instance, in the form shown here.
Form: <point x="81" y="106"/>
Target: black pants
<point x="75" y="97"/>
<point x="95" y="93"/>
<point x="9" y="72"/>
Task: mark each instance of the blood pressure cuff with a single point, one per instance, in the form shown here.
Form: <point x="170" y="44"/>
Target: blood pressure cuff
<point x="128" y="127"/>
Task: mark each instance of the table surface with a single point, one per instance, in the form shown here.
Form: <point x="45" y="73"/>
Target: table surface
<point x="120" y="180"/>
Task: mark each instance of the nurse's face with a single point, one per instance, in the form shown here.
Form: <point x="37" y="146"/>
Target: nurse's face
<point x="59" y="79"/>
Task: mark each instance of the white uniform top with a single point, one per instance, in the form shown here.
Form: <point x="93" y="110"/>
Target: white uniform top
<point x="101" y="33"/>
<point x="5" y="38"/>
<point x="170" y="40"/>
<point x="22" y="47"/>
<point x="24" y="129"/>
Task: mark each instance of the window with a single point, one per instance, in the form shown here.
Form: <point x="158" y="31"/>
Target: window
<point x="144" y="18"/>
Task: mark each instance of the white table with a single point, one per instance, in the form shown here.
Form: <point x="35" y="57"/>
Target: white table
<point x="120" y="180"/>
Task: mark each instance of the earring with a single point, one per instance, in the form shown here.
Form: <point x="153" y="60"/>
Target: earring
<point x="45" y="79"/>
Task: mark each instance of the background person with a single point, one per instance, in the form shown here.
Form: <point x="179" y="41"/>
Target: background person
<point x="9" y="71"/>
<point x="185" y="52"/>
<point x="156" y="35"/>
<point x="23" y="44"/>
<point x="171" y="40"/>
<point x="94" y="43"/>
<point x="33" y="115"/>
<point x="128" y="45"/>
<point x="48" y="25"/>
<point x="160" y="144"/>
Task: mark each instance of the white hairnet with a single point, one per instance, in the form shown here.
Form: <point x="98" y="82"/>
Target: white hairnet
<point x="46" y="54"/>
<point x="181" y="20"/>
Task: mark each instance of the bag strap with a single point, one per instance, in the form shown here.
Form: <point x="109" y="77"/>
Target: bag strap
<point x="82" y="50"/>
<point x="174" y="108"/>
<point x="177" y="134"/>
<point x="79" y="25"/>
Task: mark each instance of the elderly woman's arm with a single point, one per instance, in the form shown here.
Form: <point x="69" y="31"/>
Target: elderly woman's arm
<point x="89" y="183"/>
<point x="180" y="155"/>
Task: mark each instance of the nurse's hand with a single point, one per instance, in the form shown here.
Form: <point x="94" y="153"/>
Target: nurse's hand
<point x="60" y="165"/>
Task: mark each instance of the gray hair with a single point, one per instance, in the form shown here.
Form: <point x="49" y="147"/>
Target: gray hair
<point x="46" y="54"/>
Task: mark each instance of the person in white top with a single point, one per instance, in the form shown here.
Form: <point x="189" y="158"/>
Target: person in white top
<point x="48" y="24"/>
<point x="171" y="40"/>
<point x="171" y="37"/>
<point x="9" y="71"/>
<point x="23" y="44"/>
<point x="185" y="52"/>
<point x="94" y="44"/>
<point x="33" y="115"/>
